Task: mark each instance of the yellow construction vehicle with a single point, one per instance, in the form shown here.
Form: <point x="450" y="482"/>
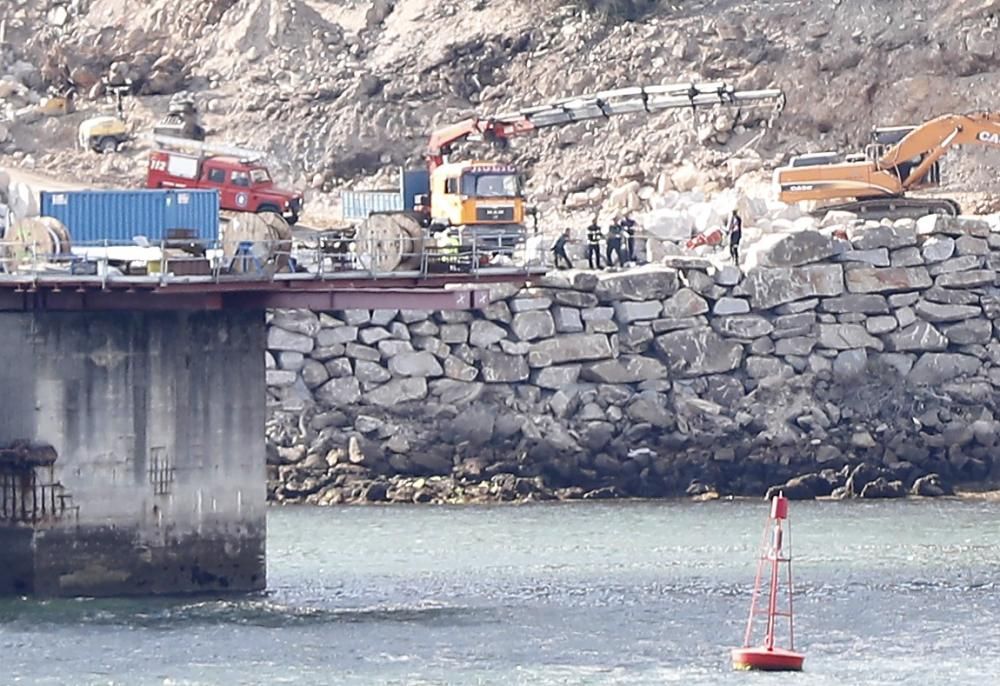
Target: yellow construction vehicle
<point x="898" y="160"/>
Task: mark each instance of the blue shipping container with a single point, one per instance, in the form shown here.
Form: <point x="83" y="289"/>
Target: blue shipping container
<point x="118" y="216"/>
<point x="412" y="182"/>
<point x="359" y="204"/>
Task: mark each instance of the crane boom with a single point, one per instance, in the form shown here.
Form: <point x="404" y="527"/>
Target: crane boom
<point x="603" y="104"/>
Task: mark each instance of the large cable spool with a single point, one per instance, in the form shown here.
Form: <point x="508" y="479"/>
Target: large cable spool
<point x="22" y="200"/>
<point x="34" y="241"/>
<point x="267" y="237"/>
<point x="389" y="242"/>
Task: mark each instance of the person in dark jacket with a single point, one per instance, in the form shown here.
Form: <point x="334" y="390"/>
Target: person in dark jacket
<point x="628" y="235"/>
<point x="559" y="248"/>
<point x="735" y="231"/>
<point x="615" y="243"/>
<point x="594" y="236"/>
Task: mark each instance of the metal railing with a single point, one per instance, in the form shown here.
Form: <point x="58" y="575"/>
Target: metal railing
<point x="324" y="258"/>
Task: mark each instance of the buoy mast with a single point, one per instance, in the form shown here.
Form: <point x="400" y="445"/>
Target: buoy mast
<point x="775" y="551"/>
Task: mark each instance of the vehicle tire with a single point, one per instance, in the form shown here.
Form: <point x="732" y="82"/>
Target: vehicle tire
<point x="268" y="208"/>
<point x="107" y="144"/>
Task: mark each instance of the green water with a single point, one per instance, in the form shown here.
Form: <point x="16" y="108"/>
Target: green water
<point x="582" y="593"/>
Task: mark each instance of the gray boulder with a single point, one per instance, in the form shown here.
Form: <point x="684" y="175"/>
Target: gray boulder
<point x="628" y="312"/>
<point x="557" y="377"/>
<point x="420" y="364"/>
<point x="796" y="249"/>
<point x="533" y="325"/>
<point x="626" y="369"/>
<point x="577" y="347"/>
<point x="850" y="365"/>
<point x="646" y="283"/>
<point x="855" y="303"/>
<point x="881" y="488"/>
<point x="968" y="279"/>
<point x="743" y="326"/>
<point x="919" y="337"/>
<point x="279" y="339"/>
<point x="938" y="249"/>
<point x="398" y="391"/>
<point x="567" y="319"/>
<point x="454" y="333"/>
<point x="370" y="374"/>
<point x="700" y="351"/>
<point x="769" y="288"/>
<point x="936" y="312"/>
<point x="875" y="280"/>
<point x="299" y="321"/>
<point x="686" y="303"/>
<point x="650" y="407"/>
<point x="497" y="367"/>
<point x="952" y="226"/>
<point x="892" y="237"/>
<point x="970" y="332"/>
<point x="879" y="257"/>
<point x="932" y="486"/>
<point x="529" y="304"/>
<point x="936" y="368"/>
<point x="483" y="334"/>
<point x="726" y="306"/>
<point x="847" y="337"/>
<point x="339" y="392"/>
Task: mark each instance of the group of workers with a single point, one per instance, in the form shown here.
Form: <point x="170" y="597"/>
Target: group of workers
<point x="619" y="243"/>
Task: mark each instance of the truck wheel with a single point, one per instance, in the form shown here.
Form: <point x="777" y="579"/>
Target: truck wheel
<point x="107" y="144"/>
<point x="268" y="208"/>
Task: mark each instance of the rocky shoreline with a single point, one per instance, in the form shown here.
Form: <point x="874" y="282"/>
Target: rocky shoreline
<point x="855" y="360"/>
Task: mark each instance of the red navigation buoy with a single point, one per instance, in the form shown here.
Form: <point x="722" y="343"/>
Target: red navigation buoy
<point x="775" y="551"/>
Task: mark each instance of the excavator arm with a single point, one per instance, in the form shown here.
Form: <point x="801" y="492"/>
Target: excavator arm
<point x="879" y="184"/>
<point x="929" y="142"/>
<point x="602" y="105"/>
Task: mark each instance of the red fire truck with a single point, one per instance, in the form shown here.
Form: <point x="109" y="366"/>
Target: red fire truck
<point x="244" y="184"/>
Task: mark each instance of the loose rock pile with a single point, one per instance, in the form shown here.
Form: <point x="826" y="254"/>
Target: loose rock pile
<point x="858" y="360"/>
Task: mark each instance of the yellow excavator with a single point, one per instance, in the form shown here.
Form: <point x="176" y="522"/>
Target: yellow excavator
<point x="898" y="160"/>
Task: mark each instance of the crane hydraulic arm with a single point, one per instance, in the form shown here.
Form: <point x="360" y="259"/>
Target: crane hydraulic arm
<point x="879" y="183"/>
<point x="649" y="99"/>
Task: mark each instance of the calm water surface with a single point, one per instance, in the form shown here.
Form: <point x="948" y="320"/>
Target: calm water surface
<point x="589" y="593"/>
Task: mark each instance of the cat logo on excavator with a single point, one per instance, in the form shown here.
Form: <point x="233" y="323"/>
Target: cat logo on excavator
<point x="989" y="137"/>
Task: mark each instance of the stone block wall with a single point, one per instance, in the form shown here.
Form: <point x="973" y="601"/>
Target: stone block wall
<point x="858" y="359"/>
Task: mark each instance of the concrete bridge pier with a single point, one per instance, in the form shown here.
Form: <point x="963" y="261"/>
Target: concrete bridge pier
<point x="132" y="452"/>
<point x="132" y="420"/>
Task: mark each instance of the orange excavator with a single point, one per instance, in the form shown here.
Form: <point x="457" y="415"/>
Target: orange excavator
<point x="898" y="160"/>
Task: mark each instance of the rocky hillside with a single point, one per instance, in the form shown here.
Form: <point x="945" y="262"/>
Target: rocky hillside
<point x="338" y="90"/>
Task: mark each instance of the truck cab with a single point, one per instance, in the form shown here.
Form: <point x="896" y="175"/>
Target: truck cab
<point x="482" y="197"/>
<point x="244" y="185"/>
